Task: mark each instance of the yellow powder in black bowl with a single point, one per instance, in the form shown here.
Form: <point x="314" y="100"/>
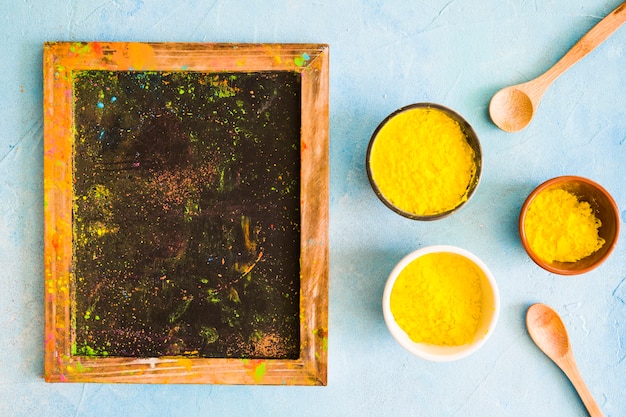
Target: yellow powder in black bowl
<point x="421" y="162"/>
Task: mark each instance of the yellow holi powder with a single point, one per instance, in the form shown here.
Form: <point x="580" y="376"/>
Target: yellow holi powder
<point x="561" y="228"/>
<point x="437" y="299"/>
<point x="421" y="162"/>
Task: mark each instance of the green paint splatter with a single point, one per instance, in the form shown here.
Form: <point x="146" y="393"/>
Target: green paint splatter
<point x="81" y="368"/>
<point x="86" y="350"/>
<point x="80" y="48"/>
<point x="301" y="60"/>
<point x="209" y="334"/>
<point x="180" y="310"/>
<point x="259" y="371"/>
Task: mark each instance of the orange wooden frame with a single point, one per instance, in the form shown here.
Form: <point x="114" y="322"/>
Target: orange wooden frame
<point x="311" y="61"/>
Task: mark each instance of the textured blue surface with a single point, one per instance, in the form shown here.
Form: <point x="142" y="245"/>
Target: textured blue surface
<point x="383" y="55"/>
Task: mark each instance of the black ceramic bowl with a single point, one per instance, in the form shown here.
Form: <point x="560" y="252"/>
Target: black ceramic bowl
<point x="472" y="140"/>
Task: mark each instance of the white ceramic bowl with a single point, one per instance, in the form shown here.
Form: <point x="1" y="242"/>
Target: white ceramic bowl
<point x="486" y="325"/>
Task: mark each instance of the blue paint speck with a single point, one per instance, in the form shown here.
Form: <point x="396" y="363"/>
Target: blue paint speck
<point x="100" y="105"/>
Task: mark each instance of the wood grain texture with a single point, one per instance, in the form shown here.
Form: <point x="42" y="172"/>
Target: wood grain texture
<point x="311" y="61"/>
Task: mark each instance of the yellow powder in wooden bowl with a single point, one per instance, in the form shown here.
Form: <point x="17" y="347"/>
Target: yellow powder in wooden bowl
<point x="421" y="162"/>
<point x="561" y="228"/>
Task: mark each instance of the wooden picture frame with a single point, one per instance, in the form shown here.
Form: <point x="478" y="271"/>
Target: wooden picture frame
<point x="75" y="301"/>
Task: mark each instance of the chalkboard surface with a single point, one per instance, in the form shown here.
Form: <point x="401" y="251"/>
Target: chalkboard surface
<point x="187" y="214"/>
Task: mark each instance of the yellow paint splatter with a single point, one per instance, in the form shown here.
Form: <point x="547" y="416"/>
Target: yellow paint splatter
<point x="186" y="363"/>
<point x="143" y="56"/>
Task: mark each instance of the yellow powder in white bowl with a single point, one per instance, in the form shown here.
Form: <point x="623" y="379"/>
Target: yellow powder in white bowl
<point x="441" y="303"/>
<point x="437" y="299"/>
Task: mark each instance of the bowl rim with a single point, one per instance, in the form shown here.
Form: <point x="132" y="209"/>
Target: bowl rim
<point x="548" y="184"/>
<point x="400" y="335"/>
<point x="473" y="140"/>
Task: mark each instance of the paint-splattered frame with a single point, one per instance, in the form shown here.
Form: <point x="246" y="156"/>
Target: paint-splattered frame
<point x="311" y="61"/>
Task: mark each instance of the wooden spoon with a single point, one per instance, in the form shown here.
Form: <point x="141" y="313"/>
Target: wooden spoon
<point x="549" y="334"/>
<point x="512" y="108"/>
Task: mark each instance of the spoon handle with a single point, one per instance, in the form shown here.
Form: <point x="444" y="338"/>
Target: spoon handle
<point x="598" y="34"/>
<point x="568" y="365"/>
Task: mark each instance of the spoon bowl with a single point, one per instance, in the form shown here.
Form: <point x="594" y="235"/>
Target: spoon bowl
<point x="548" y="332"/>
<point x="512" y="109"/>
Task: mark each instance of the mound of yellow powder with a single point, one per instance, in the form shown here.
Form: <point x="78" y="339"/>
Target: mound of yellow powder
<point x="421" y="162"/>
<point x="561" y="228"/>
<point x="437" y="299"/>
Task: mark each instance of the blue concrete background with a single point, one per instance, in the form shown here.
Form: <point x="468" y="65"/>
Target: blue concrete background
<point x="384" y="54"/>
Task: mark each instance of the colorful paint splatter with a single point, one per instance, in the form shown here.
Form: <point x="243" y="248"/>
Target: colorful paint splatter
<point x="186" y="214"/>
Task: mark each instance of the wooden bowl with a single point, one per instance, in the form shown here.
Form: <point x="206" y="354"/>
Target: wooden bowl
<point x="604" y="208"/>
